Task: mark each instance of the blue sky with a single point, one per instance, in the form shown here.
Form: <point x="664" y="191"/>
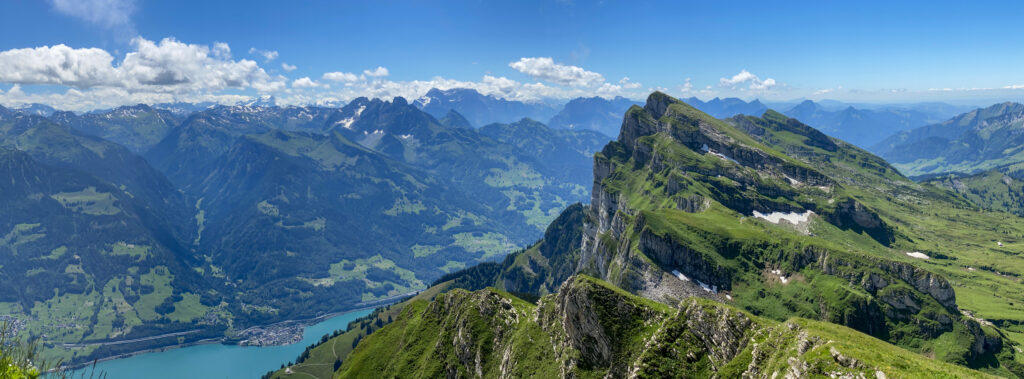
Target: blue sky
<point x="226" y="51"/>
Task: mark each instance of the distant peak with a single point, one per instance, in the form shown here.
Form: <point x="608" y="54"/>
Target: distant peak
<point x="454" y="119"/>
<point x="400" y="101"/>
<point x="140" y="106"/>
<point x="437" y="93"/>
<point x="528" y="121"/>
<point x="772" y="114"/>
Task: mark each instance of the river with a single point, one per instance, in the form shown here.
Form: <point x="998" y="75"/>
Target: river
<point x="218" y="361"/>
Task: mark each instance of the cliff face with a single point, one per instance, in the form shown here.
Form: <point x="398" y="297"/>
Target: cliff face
<point x="674" y="212"/>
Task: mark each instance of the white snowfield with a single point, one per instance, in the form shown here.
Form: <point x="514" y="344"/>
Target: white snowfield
<point x="918" y="255"/>
<point x="680" y="275"/>
<point x="790" y="217"/>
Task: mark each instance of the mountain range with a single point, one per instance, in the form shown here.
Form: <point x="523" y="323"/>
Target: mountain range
<point x="754" y="246"/>
<point x="482" y="109"/>
<point x="863" y="126"/>
<point x="160" y="227"/>
<point x="236" y="216"/>
<point x="972" y="142"/>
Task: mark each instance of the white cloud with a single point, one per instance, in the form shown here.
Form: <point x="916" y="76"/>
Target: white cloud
<point x="170" y="71"/>
<point x="498" y="86"/>
<point x="743" y="77"/>
<point x="108" y="13"/>
<point x="98" y="98"/>
<point x="380" y="71"/>
<point x="268" y="55"/>
<point x="175" y="66"/>
<point x="167" y="66"/>
<point x="545" y="68"/>
<point x="58" y="64"/>
<point x="288" y="67"/>
<point x="338" y="76"/>
<point x="826" y="91"/>
<point x="305" y="82"/>
<point x="687" y="87"/>
<point x="221" y="50"/>
<point x="626" y="83"/>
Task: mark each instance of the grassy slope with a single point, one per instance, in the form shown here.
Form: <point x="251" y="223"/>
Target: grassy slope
<point x="320" y="363"/>
<point x="663" y="342"/>
<point x="924" y="219"/>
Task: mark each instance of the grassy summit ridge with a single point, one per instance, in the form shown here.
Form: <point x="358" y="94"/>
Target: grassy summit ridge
<point x="591" y="328"/>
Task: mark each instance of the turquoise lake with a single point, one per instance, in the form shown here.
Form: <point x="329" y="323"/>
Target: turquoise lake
<point x="219" y="361"/>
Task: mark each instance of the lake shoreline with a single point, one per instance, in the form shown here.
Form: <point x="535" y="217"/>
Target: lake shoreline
<point x="302" y="324"/>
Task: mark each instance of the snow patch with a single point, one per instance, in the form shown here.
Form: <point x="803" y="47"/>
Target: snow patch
<point x="708" y="288"/>
<point x="708" y="150"/>
<point x="918" y="255"/>
<point x="680" y="275"/>
<point x="347" y="123"/>
<point x="781" y="276"/>
<point x="790" y="217"/>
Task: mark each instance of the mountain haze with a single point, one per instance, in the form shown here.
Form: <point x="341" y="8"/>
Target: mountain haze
<point x="972" y="142"/>
<point x="481" y="109"/>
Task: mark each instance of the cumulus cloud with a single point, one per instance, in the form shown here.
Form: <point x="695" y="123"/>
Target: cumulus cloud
<point x="305" y="82"/>
<point x="339" y="76"/>
<point x="221" y="50"/>
<point x="380" y="71"/>
<point x="381" y="87"/>
<point x="745" y="77"/>
<point x="288" y="67"/>
<point x="171" y="65"/>
<point x="167" y="66"/>
<point x="628" y="84"/>
<point x="545" y="68"/>
<point x="107" y="13"/>
<point x="58" y="64"/>
<point x="106" y="97"/>
<point x="268" y="55"/>
<point x="687" y="86"/>
<point x="170" y="71"/>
